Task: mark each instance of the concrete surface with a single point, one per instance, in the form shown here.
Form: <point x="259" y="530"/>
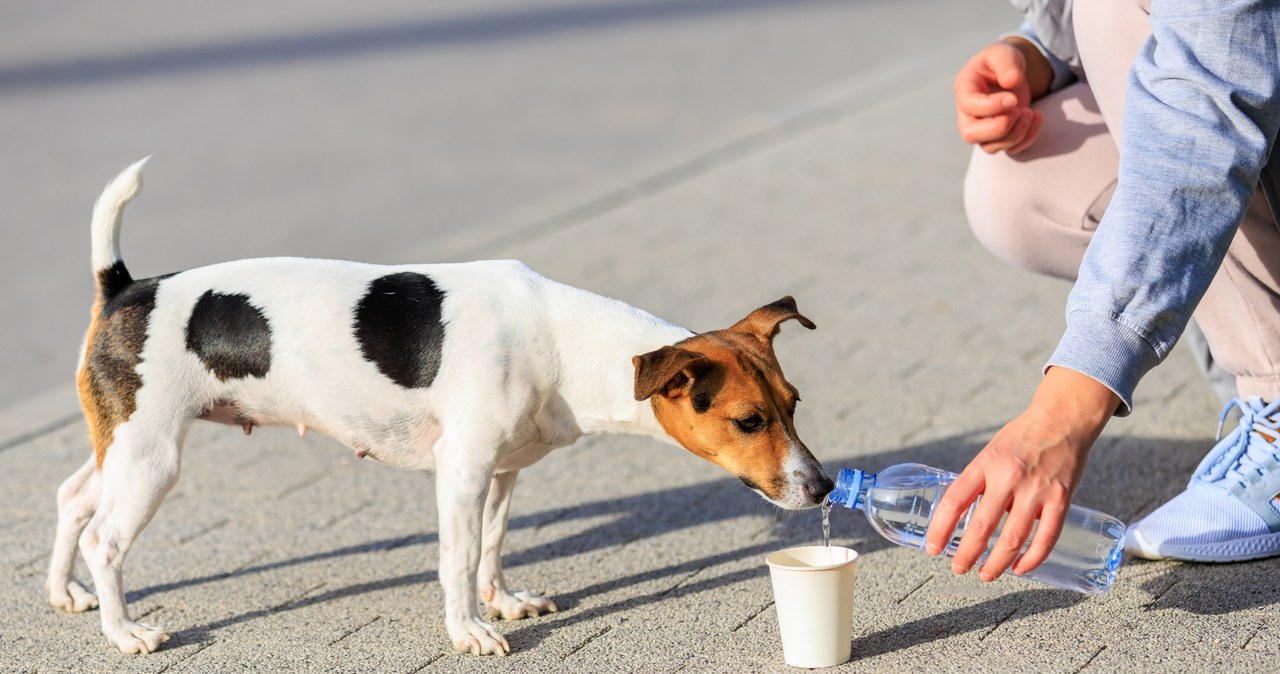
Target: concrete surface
<point x="370" y="130"/>
<point x="280" y="554"/>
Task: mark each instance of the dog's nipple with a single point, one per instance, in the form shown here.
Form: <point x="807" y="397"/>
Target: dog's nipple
<point x="302" y="430"/>
<point x="248" y="428"/>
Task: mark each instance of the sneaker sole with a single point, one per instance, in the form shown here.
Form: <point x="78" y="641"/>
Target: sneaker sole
<point x="1242" y="550"/>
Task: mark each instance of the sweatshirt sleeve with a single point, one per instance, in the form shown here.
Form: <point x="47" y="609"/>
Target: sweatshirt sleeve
<point x="1200" y="117"/>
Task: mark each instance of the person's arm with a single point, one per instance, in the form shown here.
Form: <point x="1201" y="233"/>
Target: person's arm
<point x="1202" y="110"/>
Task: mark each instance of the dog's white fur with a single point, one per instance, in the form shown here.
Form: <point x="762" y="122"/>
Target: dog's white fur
<point x="528" y="365"/>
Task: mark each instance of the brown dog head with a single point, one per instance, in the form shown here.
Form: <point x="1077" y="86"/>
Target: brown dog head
<point x="722" y="395"/>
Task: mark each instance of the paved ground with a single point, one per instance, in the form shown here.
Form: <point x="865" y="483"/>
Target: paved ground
<point x="361" y="130"/>
<point x="280" y="554"/>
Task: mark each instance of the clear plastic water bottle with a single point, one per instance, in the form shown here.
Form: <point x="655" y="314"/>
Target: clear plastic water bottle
<point x="899" y="503"/>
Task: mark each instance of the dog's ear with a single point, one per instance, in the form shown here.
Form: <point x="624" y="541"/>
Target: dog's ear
<point x="669" y="371"/>
<point x="765" y="321"/>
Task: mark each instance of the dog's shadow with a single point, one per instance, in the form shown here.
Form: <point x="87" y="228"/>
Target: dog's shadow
<point x="724" y="499"/>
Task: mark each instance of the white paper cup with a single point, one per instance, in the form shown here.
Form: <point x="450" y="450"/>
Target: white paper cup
<point x="813" y="591"/>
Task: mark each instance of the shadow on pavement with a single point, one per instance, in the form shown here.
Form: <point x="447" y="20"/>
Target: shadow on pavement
<point x="1161" y="464"/>
<point x="988" y="614"/>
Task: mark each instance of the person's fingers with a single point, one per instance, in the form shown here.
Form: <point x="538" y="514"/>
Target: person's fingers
<point x="1017" y="527"/>
<point x="977" y="532"/>
<point x="1007" y="66"/>
<point x="1015" y="135"/>
<point x="977" y="88"/>
<point x="976" y="131"/>
<point x="950" y="508"/>
<point x="1052" y="516"/>
<point x="975" y="98"/>
<point x="1032" y="133"/>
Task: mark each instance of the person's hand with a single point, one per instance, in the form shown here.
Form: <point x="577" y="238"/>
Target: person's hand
<point x="993" y="94"/>
<point x="1029" y="470"/>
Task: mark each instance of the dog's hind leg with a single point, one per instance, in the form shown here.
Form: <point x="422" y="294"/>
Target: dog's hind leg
<point x="501" y="601"/>
<point x="140" y="467"/>
<point x="77" y="500"/>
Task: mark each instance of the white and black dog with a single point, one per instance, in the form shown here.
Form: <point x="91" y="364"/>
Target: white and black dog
<point x="474" y="370"/>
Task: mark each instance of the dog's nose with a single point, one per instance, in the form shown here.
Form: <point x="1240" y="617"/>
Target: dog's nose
<point x="818" y="486"/>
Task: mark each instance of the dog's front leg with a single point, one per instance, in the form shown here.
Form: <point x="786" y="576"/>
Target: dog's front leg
<point x="461" y="490"/>
<point x="502" y="602"/>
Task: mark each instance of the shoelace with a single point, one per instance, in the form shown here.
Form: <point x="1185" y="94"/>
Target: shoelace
<point x="1243" y="460"/>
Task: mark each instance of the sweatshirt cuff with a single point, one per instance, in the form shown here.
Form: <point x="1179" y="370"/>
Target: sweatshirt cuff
<point x="1100" y="346"/>
<point x="1062" y="73"/>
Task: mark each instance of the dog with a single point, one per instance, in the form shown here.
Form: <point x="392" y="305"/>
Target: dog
<point x="474" y="370"/>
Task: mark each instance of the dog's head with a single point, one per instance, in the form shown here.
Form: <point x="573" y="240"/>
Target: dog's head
<point x="722" y="395"/>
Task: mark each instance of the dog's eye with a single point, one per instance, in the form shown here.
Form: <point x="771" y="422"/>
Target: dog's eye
<point x="750" y="424"/>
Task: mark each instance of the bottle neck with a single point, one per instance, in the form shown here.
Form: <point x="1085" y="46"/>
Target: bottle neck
<point x="851" y="488"/>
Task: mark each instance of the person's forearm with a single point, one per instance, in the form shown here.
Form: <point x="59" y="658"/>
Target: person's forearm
<point x="1039" y="72"/>
<point x="1200" y="111"/>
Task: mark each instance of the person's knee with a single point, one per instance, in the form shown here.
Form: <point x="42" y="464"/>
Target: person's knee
<point x="1000" y="208"/>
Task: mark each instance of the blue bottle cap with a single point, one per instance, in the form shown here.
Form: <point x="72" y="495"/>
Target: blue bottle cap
<point x="848" y="485"/>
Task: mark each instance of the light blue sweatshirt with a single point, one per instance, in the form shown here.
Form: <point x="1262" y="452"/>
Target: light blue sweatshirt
<point x="1201" y="113"/>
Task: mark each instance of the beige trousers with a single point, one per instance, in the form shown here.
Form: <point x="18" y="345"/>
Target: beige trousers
<point x="1039" y="210"/>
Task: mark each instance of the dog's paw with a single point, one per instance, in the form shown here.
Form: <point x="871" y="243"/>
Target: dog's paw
<point x="134" y="638"/>
<point x="72" y="597"/>
<point x="519" y="605"/>
<point x="477" y="637"/>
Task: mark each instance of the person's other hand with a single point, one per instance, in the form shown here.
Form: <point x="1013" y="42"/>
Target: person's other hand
<point x="1028" y="471"/>
<point x="993" y="94"/>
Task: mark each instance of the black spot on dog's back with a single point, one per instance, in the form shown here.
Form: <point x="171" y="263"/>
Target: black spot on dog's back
<point x="230" y="335"/>
<point x="400" y="328"/>
<point x="113" y="280"/>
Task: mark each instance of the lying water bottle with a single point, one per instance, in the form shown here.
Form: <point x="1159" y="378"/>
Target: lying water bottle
<point x="899" y="503"/>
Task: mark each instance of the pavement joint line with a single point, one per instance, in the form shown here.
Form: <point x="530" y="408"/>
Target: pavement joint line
<point x="878" y="89"/>
<point x="1002" y="621"/>
<point x="426" y="664"/>
<point x="209" y="529"/>
<point x="149" y="611"/>
<point x="297" y="598"/>
<point x="1173" y="392"/>
<point x="751" y="617"/>
<point x="1092" y="658"/>
<point x="682" y="581"/>
<point x="915" y="432"/>
<point x="346" y="514"/>
<point x="561" y="515"/>
<point x="913" y="368"/>
<point x="38" y="558"/>
<point x="199" y="649"/>
<point x="303" y="484"/>
<point x="253" y="561"/>
<point x="599" y="633"/>
<point x="357" y="629"/>
<point x="1245" y="645"/>
<point x="984" y="385"/>
<point x="917" y="588"/>
<point x="1151" y="604"/>
<point x="398" y="543"/>
<point x="51" y="427"/>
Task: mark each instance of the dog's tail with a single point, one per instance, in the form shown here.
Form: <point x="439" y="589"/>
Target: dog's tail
<point x="108" y="212"/>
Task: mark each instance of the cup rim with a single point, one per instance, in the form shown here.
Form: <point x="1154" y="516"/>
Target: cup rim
<point x="769" y="559"/>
